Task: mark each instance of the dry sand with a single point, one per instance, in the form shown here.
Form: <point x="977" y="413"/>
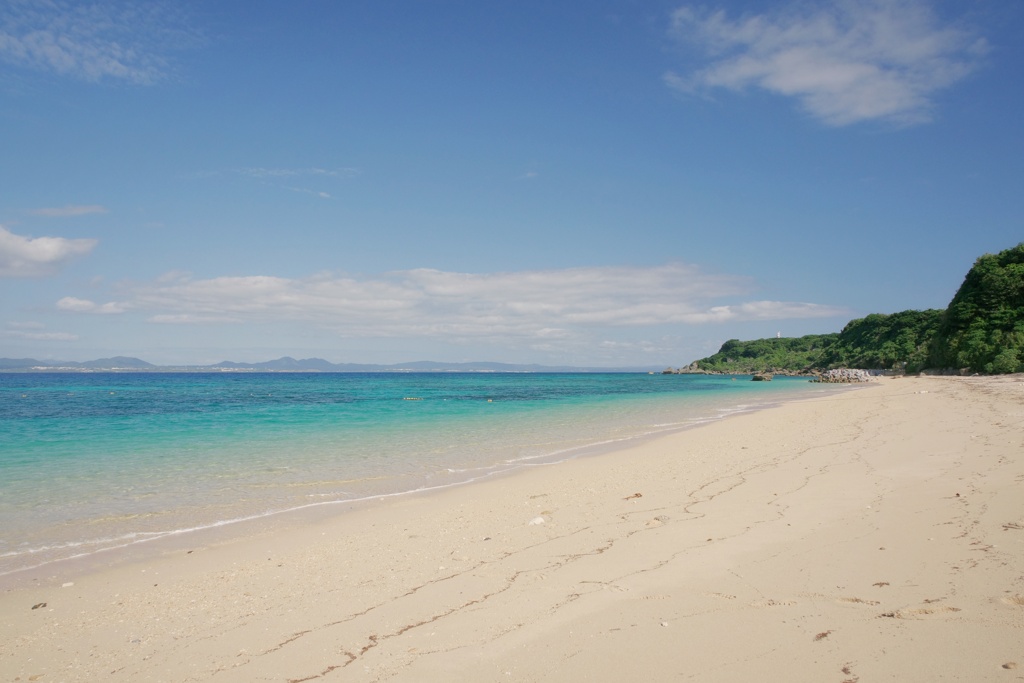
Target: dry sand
<point x="873" y="535"/>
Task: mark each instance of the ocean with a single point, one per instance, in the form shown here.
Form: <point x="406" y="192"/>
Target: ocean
<point x="91" y="462"/>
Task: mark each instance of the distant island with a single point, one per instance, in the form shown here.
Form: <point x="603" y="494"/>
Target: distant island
<point x="981" y="331"/>
<point x="284" y="364"/>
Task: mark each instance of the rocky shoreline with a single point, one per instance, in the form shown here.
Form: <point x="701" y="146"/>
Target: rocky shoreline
<point x="833" y="376"/>
<point x="694" y="370"/>
<point x="845" y="376"/>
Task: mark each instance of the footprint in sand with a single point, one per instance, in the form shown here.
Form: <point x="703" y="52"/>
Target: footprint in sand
<point x="724" y="596"/>
<point x="856" y="601"/>
<point x="773" y="603"/>
<point x="921" y="612"/>
<point x="611" y="587"/>
<point x="1014" y="600"/>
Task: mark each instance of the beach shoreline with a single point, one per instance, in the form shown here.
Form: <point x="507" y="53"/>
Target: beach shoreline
<point x="861" y="535"/>
<point x="74" y="546"/>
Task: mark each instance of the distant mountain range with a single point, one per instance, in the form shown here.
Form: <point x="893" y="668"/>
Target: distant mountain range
<point x="284" y="364"/>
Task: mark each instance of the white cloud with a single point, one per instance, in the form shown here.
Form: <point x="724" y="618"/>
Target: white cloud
<point x="33" y="256"/>
<point x="74" y="305"/>
<point x="645" y="347"/>
<point x="546" y="306"/>
<point x="845" y="61"/>
<point x="69" y="211"/>
<point x="94" y="41"/>
<point x="764" y="310"/>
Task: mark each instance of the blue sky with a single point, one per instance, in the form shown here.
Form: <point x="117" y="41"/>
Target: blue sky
<point x="609" y="183"/>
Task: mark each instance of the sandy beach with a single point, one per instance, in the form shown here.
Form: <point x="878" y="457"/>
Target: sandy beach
<point x="873" y="534"/>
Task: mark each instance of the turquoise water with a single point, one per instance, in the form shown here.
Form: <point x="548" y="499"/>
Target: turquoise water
<point x="91" y="462"/>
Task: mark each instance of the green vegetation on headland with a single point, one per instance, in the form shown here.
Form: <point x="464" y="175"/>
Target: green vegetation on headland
<point x="981" y="331"/>
<point x="780" y="355"/>
<point x="983" y="328"/>
<point x="882" y="342"/>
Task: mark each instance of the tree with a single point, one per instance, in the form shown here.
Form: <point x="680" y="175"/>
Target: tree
<point x="982" y="330"/>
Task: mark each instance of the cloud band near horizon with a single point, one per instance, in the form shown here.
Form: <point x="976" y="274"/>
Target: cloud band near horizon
<point x="543" y="304"/>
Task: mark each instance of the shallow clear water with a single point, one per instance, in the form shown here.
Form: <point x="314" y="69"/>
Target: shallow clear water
<point x="96" y="461"/>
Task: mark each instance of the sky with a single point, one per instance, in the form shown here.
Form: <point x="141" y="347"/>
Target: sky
<point x="606" y="183"/>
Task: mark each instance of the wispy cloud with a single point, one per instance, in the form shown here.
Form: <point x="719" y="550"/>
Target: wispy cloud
<point x="75" y="305"/>
<point x="260" y="172"/>
<point x="35" y="331"/>
<point x="69" y="211"/>
<point x="94" y="41"/>
<point x="22" y="256"/>
<point x="27" y="325"/>
<point x="316" y="193"/>
<point x="42" y="336"/>
<point x="543" y="308"/>
<point x="292" y="179"/>
<point x="845" y="61"/>
<point x="191" y="319"/>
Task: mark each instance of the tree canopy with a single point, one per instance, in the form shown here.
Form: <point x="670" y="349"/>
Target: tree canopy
<point x="799" y="354"/>
<point x="982" y="330"/>
<point x="883" y="342"/>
